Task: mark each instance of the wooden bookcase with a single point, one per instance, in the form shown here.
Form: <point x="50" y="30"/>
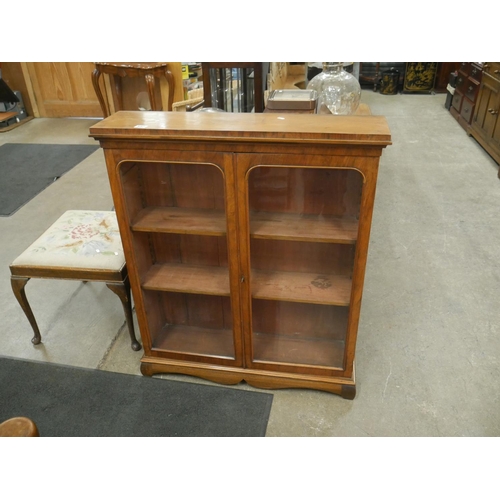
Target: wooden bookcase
<point x="246" y="239"/>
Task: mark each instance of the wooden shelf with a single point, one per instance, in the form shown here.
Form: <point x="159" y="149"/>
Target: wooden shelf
<point x="263" y="225"/>
<point x="271" y="285"/>
<point x="181" y="221"/>
<point x="311" y="351"/>
<point x="301" y="287"/>
<point x="204" y="280"/>
<point x="320" y="228"/>
<point x="195" y="340"/>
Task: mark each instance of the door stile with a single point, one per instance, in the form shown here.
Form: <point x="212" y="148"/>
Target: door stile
<point x="369" y="168"/>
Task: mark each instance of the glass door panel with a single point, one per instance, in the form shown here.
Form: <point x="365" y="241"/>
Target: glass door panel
<point x="303" y="230"/>
<point x="177" y="216"/>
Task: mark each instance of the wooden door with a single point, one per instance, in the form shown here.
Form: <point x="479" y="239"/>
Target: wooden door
<point x="299" y="219"/>
<point x="178" y="226"/>
<point x="486" y="115"/>
<point x="62" y="89"/>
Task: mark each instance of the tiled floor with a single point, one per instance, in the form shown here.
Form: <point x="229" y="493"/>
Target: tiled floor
<point x="428" y="345"/>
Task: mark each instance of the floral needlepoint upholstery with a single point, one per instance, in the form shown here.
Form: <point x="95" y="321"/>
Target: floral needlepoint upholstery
<point x="84" y="239"/>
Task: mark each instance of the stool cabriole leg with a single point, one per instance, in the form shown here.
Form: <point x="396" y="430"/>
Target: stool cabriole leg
<point x="123" y="292"/>
<point x="18" y="284"/>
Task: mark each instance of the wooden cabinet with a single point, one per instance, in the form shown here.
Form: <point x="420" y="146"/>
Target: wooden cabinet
<point x="246" y="239"/>
<point x="444" y="70"/>
<point x="485" y="127"/>
<point x="466" y="93"/>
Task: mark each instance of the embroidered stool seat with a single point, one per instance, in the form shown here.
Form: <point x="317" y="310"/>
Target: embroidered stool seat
<point x="81" y="245"/>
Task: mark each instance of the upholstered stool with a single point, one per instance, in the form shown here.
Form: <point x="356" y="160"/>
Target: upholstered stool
<point x="19" y="427"/>
<point x="81" y="245"/>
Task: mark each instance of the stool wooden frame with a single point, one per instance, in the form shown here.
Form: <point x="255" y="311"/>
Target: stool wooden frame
<point x="116" y="280"/>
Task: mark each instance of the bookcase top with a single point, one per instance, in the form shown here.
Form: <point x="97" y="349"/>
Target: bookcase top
<point x="248" y="127"/>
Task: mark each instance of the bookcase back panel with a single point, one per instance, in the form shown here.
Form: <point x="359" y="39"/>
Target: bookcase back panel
<point x="192" y="325"/>
<point x="297" y="336"/>
<point x="206" y="311"/>
<point x="297" y="320"/>
<point x="298" y="190"/>
<point x="184" y="185"/>
<point x="190" y="249"/>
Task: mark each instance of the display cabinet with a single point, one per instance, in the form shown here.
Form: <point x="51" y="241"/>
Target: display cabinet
<point x="485" y="126"/>
<point x="466" y="92"/>
<point x="246" y="239"/>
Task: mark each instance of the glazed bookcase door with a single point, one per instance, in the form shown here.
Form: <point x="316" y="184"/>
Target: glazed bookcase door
<point x="301" y="225"/>
<point x="181" y="218"/>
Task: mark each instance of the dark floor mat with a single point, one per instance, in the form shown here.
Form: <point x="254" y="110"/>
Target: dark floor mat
<point x="68" y="401"/>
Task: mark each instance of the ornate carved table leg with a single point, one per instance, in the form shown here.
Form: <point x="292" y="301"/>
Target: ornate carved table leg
<point x="95" y="82"/>
<point x="150" y="82"/>
<point x="18" y="285"/>
<point x="117" y="83"/>
<point x="123" y="292"/>
<point x="171" y="88"/>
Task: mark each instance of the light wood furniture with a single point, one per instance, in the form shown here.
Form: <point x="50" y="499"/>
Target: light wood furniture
<point x="246" y="238"/>
<point x="16" y="124"/>
<point x="149" y="72"/>
<point x="7" y="115"/>
<point x="195" y="97"/>
<point x="82" y="245"/>
<point x="485" y="126"/>
<point x="19" y="427"/>
<point x="283" y="75"/>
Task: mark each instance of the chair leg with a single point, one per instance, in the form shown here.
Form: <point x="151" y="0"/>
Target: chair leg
<point x="123" y="292"/>
<point x="18" y="283"/>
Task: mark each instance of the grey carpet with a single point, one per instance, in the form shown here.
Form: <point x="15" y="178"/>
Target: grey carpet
<point x="78" y="402"/>
<point x="27" y="169"/>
